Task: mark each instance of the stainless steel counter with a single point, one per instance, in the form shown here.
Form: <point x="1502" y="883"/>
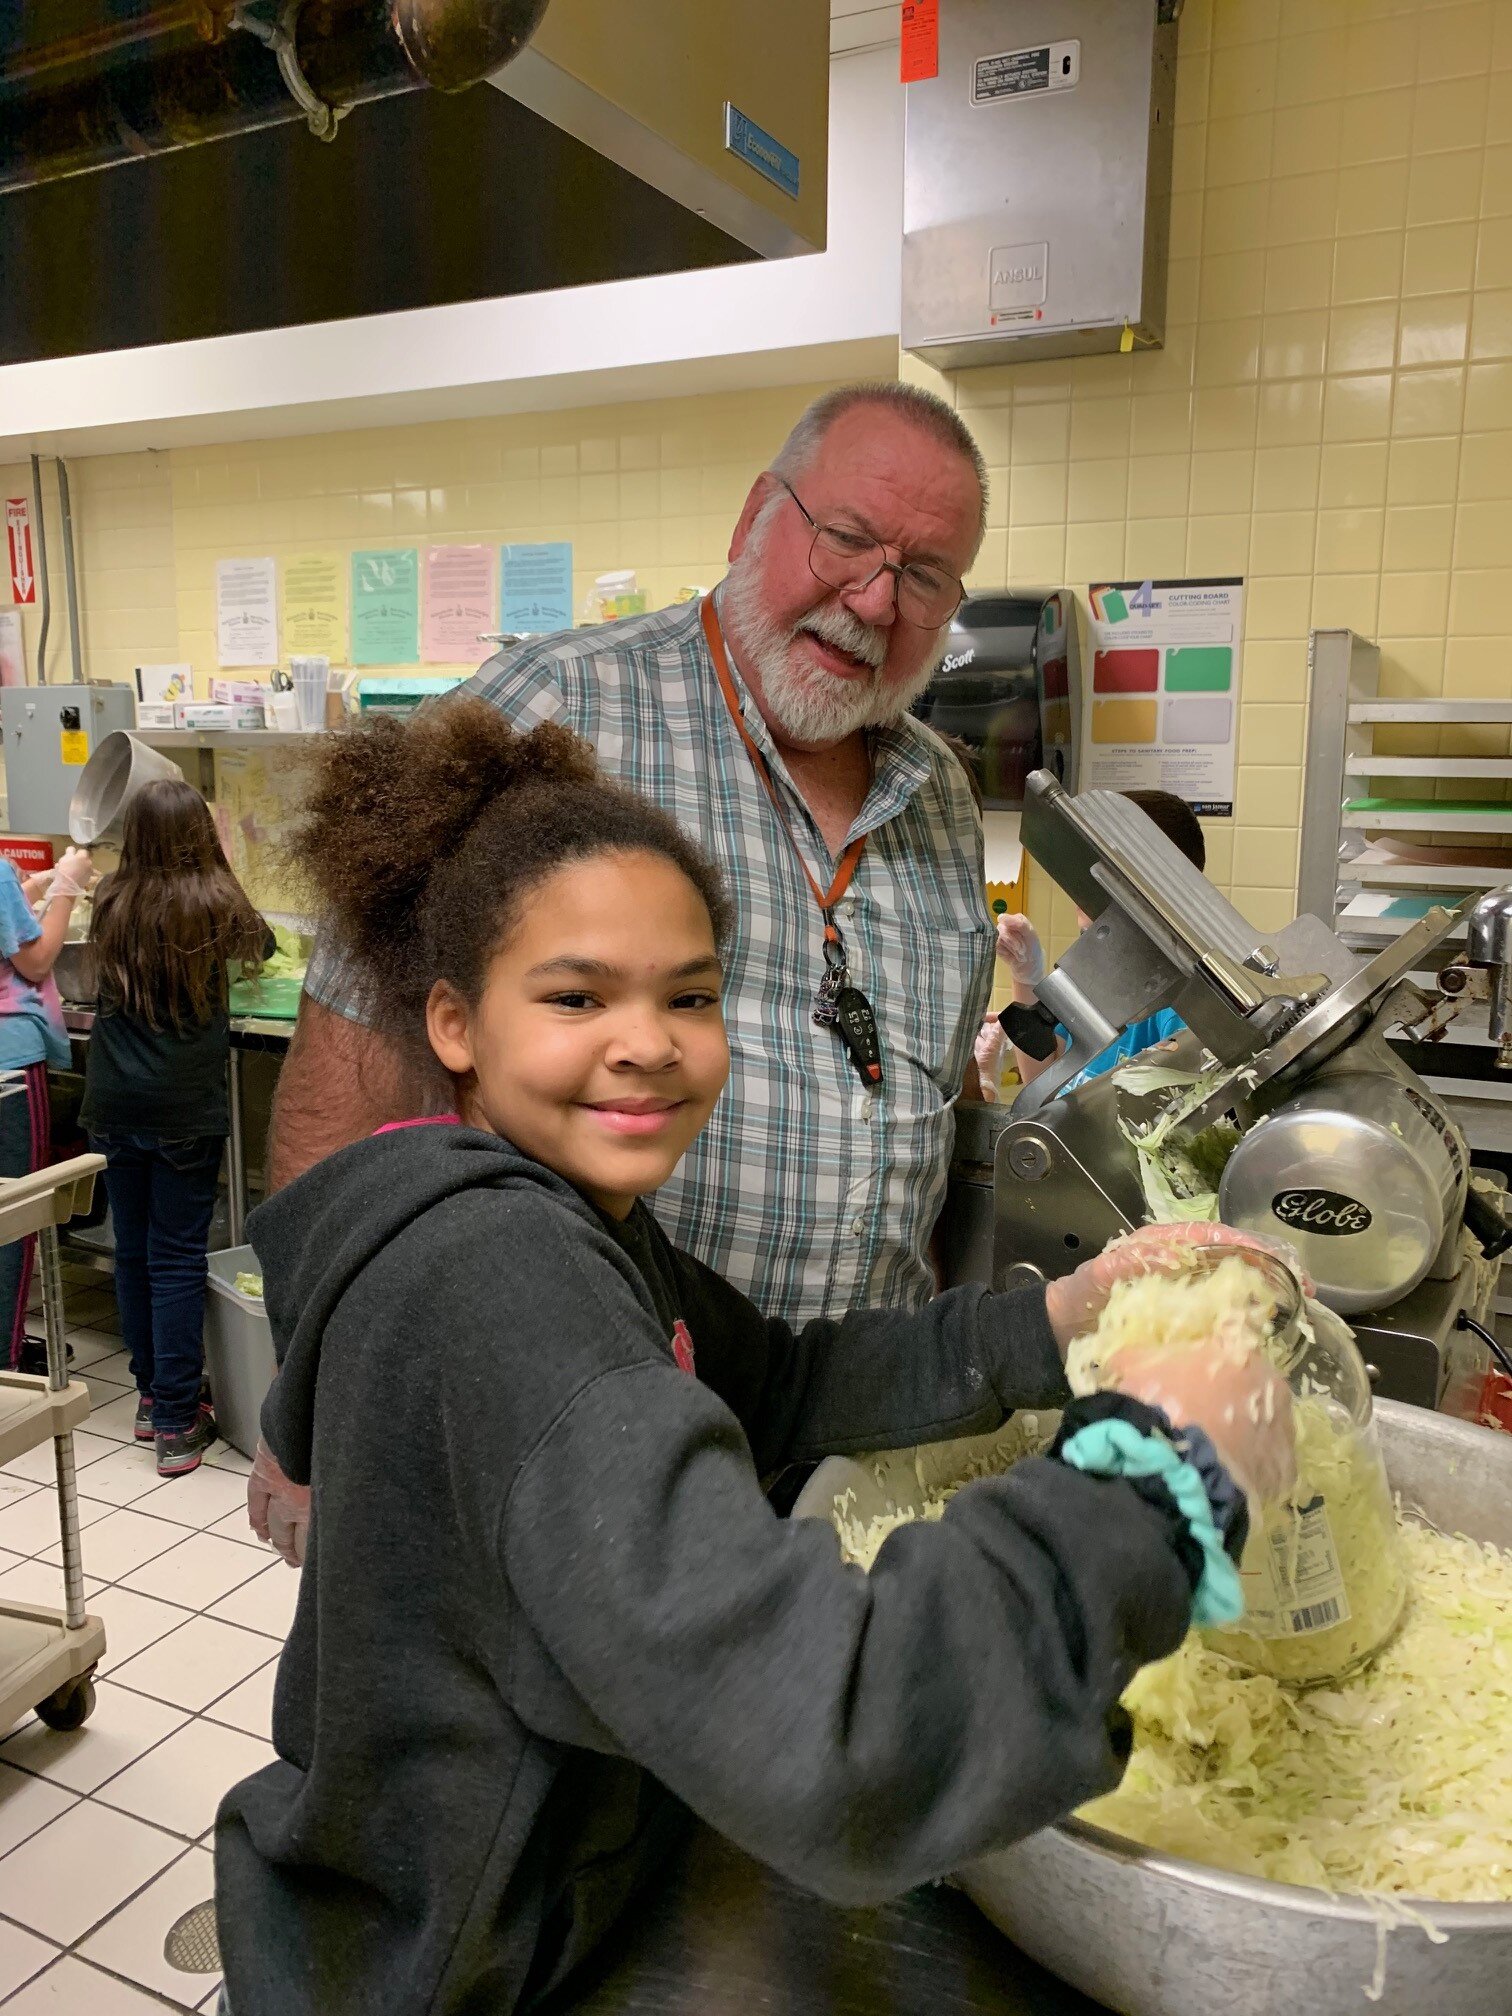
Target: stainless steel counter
<point x="248" y="1032"/>
<point x="722" y="1936"/>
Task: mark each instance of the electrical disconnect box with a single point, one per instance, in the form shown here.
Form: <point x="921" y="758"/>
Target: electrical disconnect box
<point x="1037" y="181"/>
<point x="50" y="733"/>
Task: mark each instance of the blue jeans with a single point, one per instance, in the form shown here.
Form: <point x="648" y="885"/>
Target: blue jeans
<point x="162" y="1195"/>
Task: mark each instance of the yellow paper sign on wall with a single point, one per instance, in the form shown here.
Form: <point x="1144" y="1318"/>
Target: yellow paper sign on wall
<point x="314" y="606"/>
<point x="73" y="747"/>
<point x="1007" y="899"/>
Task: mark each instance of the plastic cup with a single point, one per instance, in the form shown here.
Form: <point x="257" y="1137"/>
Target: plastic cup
<point x="310" y="676"/>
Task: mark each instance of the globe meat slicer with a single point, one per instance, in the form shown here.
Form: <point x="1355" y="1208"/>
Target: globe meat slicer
<point x="1341" y="1149"/>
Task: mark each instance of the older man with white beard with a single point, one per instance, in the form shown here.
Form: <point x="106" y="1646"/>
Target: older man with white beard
<point x="772" y="722"/>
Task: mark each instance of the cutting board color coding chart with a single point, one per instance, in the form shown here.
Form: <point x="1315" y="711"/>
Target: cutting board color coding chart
<point x="1163" y="710"/>
<point x="1197" y="694"/>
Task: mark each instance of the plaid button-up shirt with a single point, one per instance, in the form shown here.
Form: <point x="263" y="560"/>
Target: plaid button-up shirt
<point x="809" y="1192"/>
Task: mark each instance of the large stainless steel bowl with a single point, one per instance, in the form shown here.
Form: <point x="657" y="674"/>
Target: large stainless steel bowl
<point x="1153" y="1935"/>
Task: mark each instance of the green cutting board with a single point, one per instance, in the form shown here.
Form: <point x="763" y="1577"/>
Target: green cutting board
<point x="274" y="1000"/>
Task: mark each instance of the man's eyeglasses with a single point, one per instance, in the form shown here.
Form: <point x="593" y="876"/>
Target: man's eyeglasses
<point x="842" y="558"/>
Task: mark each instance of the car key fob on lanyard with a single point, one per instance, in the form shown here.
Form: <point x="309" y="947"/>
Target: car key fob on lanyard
<point x="846" y="1010"/>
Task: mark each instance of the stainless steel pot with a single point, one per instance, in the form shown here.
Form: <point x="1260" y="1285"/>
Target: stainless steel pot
<point x="77" y="972"/>
<point x="1153" y="1935"/>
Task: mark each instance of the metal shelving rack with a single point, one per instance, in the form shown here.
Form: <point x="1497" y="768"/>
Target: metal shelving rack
<point x="48" y="1656"/>
<point x="1339" y="863"/>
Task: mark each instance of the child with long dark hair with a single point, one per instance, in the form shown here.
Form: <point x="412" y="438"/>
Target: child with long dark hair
<point x="169" y="927"/>
<point x="32" y="1037"/>
<point x="546" y="1607"/>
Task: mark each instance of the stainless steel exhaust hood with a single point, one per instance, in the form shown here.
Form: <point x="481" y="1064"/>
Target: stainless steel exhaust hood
<point x="1036" y="182"/>
<point x="618" y="142"/>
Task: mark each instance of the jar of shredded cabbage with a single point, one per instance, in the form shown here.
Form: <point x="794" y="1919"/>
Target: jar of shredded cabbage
<point x="1323" y="1574"/>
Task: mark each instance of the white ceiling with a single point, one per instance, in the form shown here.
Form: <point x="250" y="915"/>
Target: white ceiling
<point x="862" y="24"/>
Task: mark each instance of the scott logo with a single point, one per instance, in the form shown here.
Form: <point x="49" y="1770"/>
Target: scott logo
<point x="1327" y="1212"/>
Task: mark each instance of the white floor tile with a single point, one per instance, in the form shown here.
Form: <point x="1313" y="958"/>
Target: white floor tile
<point x="202" y="1497"/>
<point x="115" y="1417"/>
<point x="64" y="1880"/>
<point x="113" y="1367"/>
<point x="90" y="1347"/>
<point x="123" y="1476"/>
<point x="180" y="1783"/>
<point x="211" y="2003"/>
<point x="26" y="1805"/>
<point x="249" y="1707"/>
<point x="131" y="1943"/>
<point x="198" y="1572"/>
<point x="73" y="1988"/>
<point x="123" y="1726"/>
<point x="196" y="1664"/>
<point x="13" y="1489"/>
<point x="40" y="1582"/>
<point x="22" y="1954"/>
<point x="122" y="1541"/>
<point x="224" y="1457"/>
<point x="8" y="1561"/>
<point x="30" y="1525"/>
<point x="36" y="1466"/>
<point x="265" y="1604"/>
<point x="132" y="1623"/>
<point x="89" y="1449"/>
<point x="234" y="1527"/>
<point x="105" y="1394"/>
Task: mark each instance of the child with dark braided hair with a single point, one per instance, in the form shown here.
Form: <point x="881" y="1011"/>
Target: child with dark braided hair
<point x="546" y="1608"/>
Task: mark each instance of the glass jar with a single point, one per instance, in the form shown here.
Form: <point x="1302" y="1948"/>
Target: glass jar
<point x="1324" y="1578"/>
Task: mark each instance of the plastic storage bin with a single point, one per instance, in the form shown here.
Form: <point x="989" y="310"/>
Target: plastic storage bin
<point x="239" y="1353"/>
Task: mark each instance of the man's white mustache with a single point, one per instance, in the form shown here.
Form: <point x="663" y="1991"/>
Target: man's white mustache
<point x="840" y="627"/>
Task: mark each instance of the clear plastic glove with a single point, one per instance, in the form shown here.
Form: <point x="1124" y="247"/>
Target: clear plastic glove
<point x="277" y="1511"/>
<point x="1075" y="1302"/>
<point x="990" y="1045"/>
<point x="73" y="874"/>
<point x="1019" y="948"/>
<point x="1242" y="1404"/>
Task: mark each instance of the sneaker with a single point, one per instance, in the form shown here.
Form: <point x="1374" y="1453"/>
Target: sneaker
<point x="142" y="1428"/>
<point x="33" y="1358"/>
<point x="182" y="1451"/>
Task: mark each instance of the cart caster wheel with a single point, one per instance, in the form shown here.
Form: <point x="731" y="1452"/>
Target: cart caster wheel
<point x="70" y="1708"/>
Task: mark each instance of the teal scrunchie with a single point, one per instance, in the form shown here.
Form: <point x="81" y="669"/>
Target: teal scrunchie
<point x="1118" y="1449"/>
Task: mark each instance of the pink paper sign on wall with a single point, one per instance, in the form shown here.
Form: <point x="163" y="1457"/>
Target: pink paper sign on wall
<point x="459" y="603"/>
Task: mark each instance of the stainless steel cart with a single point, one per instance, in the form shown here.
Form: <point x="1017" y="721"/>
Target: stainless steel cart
<point x="47" y="1656"/>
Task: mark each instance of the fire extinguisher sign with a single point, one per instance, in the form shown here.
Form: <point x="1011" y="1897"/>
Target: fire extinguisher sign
<point x="18" y="533"/>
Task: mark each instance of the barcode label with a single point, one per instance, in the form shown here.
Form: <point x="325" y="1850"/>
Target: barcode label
<point x="1316" y="1616"/>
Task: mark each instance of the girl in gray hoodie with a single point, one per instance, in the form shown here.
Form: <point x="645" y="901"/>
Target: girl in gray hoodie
<point x="546" y="1609"/>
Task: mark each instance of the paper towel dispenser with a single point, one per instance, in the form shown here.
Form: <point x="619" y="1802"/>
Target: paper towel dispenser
<point x="1009" y="688"/>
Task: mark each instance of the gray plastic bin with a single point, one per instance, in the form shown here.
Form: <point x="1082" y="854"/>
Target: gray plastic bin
<point x="239" y="1354"/>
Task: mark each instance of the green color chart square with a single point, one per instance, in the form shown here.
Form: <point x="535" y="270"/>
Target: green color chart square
<point x="1199" y="668"/>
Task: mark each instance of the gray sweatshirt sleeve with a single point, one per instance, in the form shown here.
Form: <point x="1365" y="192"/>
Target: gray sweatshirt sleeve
<point x="878" y="1378"/>
<point x="859" y="1733"/>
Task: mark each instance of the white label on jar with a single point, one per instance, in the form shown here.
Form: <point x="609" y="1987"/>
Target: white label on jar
<point x="1292" y="1580"/>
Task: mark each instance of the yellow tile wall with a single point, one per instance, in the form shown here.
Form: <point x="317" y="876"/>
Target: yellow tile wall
<point x="124" y="553"/>
<point x="1331" y="413"/>
<point x="656" y="486"/>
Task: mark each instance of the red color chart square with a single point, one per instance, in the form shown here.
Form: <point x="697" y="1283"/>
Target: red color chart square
<point x="1126" y="671"/>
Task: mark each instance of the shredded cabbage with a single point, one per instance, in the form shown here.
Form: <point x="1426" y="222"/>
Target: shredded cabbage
<point x="250" y="1284"/>
<point x="1396" y="1783"/>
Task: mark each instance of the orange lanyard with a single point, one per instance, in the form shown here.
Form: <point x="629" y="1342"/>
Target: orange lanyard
<point x="845" y="867"/>
<point x="837" y="1004"/>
